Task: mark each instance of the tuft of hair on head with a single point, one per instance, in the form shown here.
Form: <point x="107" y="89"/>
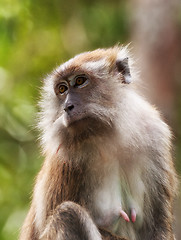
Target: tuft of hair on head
<point x="124" y="62"/>
<point x="117" y="60"/>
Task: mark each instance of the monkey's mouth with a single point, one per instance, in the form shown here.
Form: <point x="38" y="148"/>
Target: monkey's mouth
<point x="83" y="127"/>
<point x="74" y="119"/>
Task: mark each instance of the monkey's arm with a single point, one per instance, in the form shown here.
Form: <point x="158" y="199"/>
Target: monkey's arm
<point x="163" y="188"/>
<point x="162" y="211"/>
<point x="70" y="221"/>
<point x="28" y="230"/>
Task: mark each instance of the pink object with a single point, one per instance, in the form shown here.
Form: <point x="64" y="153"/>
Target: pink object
<point x="133" y="215"/>
<point x="58" y="148"/>
<point x="124" y="216"/>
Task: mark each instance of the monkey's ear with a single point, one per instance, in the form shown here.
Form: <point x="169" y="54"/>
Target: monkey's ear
<point x="123" y="67"/>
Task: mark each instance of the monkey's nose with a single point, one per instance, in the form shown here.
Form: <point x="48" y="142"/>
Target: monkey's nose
<point x="69" y="107"/>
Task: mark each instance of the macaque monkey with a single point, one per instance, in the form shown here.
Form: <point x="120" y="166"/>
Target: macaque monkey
<point x="108" y="171"/>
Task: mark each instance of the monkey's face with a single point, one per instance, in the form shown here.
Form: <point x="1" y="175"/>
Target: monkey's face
<point x="80" y="97"/>
<point x="75" y="95"/>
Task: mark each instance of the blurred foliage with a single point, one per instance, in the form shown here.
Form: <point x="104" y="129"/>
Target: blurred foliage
<point x="35" y="36"/>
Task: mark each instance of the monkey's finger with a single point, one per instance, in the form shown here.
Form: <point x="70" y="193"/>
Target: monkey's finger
<point x="124" y="215"/>
<point x="133" y="215"/>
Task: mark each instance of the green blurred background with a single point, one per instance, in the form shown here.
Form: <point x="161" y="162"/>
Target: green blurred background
<point x="36" y="36"/>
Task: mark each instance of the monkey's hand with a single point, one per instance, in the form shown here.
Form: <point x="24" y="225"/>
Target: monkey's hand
<point x="106" y="235"/>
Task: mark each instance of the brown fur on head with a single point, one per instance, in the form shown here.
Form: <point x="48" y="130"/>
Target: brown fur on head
<point x="105" y="69"/>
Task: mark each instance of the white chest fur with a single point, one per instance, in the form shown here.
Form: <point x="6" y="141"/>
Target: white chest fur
<point x="119" y="190"/>
<point x="107" y="197"/>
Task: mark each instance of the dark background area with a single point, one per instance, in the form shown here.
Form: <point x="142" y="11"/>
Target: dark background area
<point x="36" y="36"/>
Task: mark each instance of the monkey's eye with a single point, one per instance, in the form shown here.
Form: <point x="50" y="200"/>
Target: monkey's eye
<point x="80" y="80"/>
<point x="62" y="88"/>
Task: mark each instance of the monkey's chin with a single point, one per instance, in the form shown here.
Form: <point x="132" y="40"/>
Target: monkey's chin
<point x="70" y="121"/>
<point x="82" y="128"/>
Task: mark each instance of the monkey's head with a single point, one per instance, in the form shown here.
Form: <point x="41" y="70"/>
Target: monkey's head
<point x="80" y="98"/>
